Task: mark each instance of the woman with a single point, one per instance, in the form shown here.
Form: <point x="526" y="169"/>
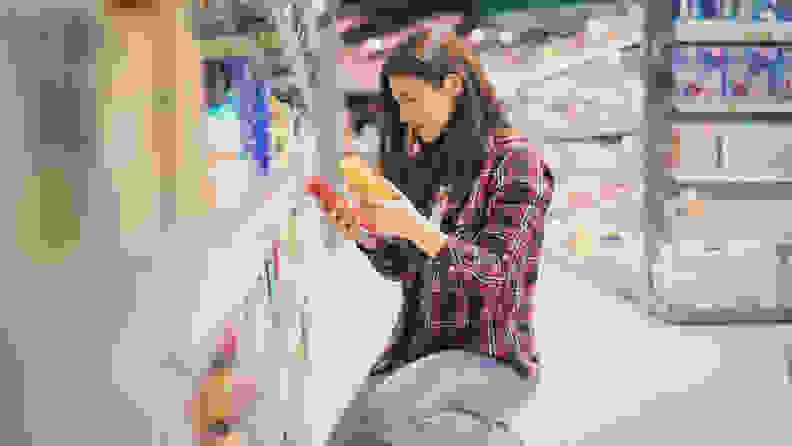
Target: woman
<point x="464" y="243"/>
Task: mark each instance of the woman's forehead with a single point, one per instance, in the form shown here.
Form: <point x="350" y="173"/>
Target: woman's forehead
<point x="405" y="80"/>
<point x="403" y="77"/>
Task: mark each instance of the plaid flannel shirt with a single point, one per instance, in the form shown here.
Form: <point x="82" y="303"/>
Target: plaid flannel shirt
<point x="480" y="296"/>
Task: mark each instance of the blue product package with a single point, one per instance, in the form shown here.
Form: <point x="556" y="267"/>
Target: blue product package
<point x="708" y="9"/>
<point x="261" y="133"/>
<point x="488" y="363"/>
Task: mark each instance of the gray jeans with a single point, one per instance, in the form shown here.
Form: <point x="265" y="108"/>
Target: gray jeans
<point x="453" y="397"/>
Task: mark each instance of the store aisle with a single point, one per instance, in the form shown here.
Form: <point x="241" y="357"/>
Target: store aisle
<point x="616" y="376"/>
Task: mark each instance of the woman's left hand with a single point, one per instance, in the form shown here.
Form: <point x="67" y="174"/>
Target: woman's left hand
<point x="395" y="217"/>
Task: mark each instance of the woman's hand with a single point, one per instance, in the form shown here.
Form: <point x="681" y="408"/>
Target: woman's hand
<point x="345" y="219"/>
<point x="400" y="218"/>
<point x="395" y="217"/>
<point x="366" y="188"/>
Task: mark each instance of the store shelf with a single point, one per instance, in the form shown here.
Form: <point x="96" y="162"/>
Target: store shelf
<point x="729" y="105"/>
<point x="689" y="314"/>
<point x="688" y="284"/>
<point x="749" y="173"/>
<point x="725" y="31"/>
<point x="691" y="180"/>
<point x="708" y="116"/>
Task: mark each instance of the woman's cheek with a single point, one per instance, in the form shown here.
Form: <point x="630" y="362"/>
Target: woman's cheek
<point x="413" y="113"/>
<point x="405" y="114"/>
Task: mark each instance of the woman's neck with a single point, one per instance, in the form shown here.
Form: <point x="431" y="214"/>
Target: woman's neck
<point x="429" y="134"/>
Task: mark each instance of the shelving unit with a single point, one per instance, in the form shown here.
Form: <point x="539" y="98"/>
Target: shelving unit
<point x="708" y="193"/>
<point x="686" y="105"/>
<point x="713" y="30"/>
<point x="273" y="45"/>
<point x="692" y="180"/>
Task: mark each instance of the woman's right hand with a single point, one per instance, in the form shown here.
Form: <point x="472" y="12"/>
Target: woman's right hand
<point x="344" y="218"/>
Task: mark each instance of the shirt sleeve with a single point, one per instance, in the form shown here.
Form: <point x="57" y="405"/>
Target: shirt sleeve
<point x="392" y="257"/>
<point x="500" y="261"/>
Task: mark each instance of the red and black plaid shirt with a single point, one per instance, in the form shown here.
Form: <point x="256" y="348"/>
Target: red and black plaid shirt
<point x="482" y="284"/>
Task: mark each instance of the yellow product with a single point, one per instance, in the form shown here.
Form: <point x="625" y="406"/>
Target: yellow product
<point x="584" y="245"/>
<point x="362" y="176"/>
<point x="267" y="40"/>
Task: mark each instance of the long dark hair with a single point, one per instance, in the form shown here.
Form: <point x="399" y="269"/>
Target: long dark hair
<point x="459" y="155"/>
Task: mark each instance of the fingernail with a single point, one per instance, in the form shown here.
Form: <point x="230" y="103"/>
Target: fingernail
<point x="226" y="344"/>
<point x="207" y="436"/>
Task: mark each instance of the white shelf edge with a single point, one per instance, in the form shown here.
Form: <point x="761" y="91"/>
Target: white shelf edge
<point x="717" y="30"/>
<point x="738" y="108"/>
<point x="731" y="179"/>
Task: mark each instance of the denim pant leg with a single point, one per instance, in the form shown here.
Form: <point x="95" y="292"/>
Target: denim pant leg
<point x="359" y="425"/>
<point x="447" y="398"/>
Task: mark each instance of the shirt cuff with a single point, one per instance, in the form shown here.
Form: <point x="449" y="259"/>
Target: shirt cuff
<point x="372" y="240"/>
<point x="368" y="239"/>
<point x="445" y="249"/>
<point x="364" y="233"/>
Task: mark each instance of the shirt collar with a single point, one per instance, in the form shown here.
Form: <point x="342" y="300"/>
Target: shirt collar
<point x="419" y="144"/>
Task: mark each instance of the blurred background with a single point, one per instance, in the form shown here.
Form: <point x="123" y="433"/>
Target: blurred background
<point x="155" y="153"/>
